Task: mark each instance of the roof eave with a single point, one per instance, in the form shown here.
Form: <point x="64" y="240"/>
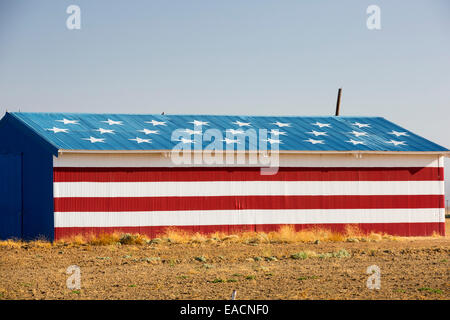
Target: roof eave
<point x="442" y="153"/>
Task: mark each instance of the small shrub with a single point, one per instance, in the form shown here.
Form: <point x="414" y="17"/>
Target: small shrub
<point x="438" y="291"/>
<point x="217" y="281"/>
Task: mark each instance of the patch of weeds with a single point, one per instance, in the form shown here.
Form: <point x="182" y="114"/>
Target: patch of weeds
<point x="399" y="290"/>
<point x="104" y="258"/>
<point x="231" y="280"/>
<point x="127" y="257"/>
<point x="132" y="286"/>
<point x="257" y="258"/>
<point x="208" y="266"/>
<point x="237" y="275"/>
<point x="218" y="280"/>
<point x="325" y="255"/>
<point x="438" y="291"/>
<point x="250" y="277"/>
<point x="444" y="260"/>
<point x="272" y="258"/>
<point x="200" y="259"/>
<point x="76" y="291"/>
<point x="172" y="262"/>
<point x="183" y="277"/>
<point x="299" y="255"/>
<point x="337" y="254"/>
<point x="341" y="254"/>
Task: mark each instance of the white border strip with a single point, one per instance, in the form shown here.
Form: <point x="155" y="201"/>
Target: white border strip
<point x="285" y="160"/>
<point x="246" y="217"/>
<point x="245" y="188"/>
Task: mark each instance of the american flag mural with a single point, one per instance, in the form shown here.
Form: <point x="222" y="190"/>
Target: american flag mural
<point x="113" y="173"/>
<point x="398" y="199"/>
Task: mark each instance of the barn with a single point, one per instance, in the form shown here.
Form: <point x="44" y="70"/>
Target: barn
<point x="63" y="174"/>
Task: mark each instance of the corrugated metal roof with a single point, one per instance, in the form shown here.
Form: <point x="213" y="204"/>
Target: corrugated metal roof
<point x="81" y="131"/>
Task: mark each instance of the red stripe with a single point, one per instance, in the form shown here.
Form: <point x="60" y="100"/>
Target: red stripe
<point x="247" y="202"/>
<point x="245" y="174"/>
<point x="400" y="229"/>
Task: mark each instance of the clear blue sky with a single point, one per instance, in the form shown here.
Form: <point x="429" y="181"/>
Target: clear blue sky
<point x="261" y="57"/>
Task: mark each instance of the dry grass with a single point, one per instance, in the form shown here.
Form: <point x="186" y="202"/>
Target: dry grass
<point x="286" y="234"/>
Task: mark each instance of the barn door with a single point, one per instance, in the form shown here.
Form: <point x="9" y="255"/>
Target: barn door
<point x="10" y="196"/>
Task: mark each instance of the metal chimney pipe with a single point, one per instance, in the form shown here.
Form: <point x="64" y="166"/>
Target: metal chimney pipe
<point x="338" y="103"/>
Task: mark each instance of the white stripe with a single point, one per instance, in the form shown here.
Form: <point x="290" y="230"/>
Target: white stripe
<point x="244" y="188"/>
<point x="285" y="160"/>
<point x="235" y="217"/>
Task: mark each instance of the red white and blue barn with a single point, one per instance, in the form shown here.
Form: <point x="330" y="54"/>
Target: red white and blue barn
<point x="63" y="174"/>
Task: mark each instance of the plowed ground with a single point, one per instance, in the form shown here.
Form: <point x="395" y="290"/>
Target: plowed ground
<point x="415" y="268"/>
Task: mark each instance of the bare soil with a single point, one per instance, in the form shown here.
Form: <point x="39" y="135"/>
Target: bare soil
<point x="412" y="268"/>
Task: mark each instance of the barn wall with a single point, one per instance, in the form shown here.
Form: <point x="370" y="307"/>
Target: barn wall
<point x="36" y="181"/>
<point x="146" y="193"/>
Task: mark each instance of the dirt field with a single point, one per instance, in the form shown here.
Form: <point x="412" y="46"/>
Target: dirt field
<point x="415" y="268"/>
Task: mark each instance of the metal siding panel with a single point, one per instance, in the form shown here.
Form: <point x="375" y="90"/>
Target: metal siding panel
<point x="10" y="196"/>
<point x="403" y="205"/>
<point x="37" y="177"/>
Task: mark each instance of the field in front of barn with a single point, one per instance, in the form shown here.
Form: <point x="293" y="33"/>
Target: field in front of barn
<point x="333" y="268"/>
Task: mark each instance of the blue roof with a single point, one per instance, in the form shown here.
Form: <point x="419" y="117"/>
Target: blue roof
<point x="82" y="131"/>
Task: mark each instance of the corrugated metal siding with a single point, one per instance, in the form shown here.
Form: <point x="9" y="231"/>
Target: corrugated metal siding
<point x="36" y="178"/>
<point x="398" y="200"/>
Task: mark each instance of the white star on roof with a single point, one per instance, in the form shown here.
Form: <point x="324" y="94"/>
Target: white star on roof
<point x="242" y="124"/>
<point x="94" y="140"/>
<point x="321" y="125"/>
<point x="112" y="122"/>
<point x="313" y="141"/>
<point x="200" y="123"/>
<point x="318" y="133"/>
<point x="157" y="123"/>
<point x="281" y="124"/>
<point x="272" y="141"/>
<point x="184" y="140"/>
<point x="398" y="134"/>
<point x="102" y="131"/>
<point x="358" y="133"/>
<point x="56" y="130"/>
<point x="355" y="142"/>
<point x="232" y="131"/>
<point x="228" y="141"/>
<point x="277" y="132"/>
<point x="361" y="125"/>
<point x="147" y="131"/>
<point x="189" y="131"/>
<point x="396" y="143"/>
<point x="65" y="121"/>
<point x="139" y="140"/>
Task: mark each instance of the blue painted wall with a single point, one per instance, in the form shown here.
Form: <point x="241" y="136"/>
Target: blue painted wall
<point x="36" y="181"/>
<point x="10" y="196"/>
